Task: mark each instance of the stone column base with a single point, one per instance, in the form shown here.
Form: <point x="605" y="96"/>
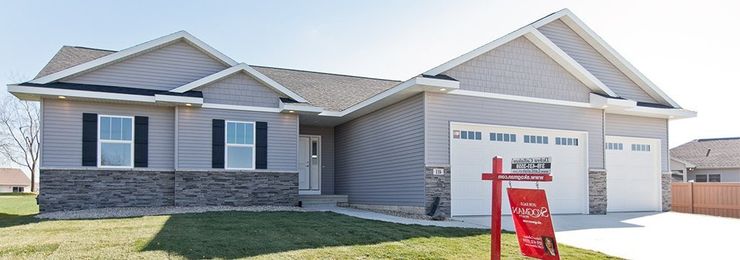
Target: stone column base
<point x="665" y="183"/>
<point x="597" y="191"/>
<point x="437" y="185"/>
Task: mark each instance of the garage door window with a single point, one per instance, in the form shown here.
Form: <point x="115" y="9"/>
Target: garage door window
<point x="615" y="146"/>
<point x="641" y="147"/>
<point x="566" y="141"/>
<point x="535" y="139"/>
<point x="502" y="137"/>
<point x="469" y="135"/>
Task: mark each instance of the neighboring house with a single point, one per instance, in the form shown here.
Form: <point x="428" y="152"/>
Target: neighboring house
<point x="14" y="180"/>
<point x="708" y="160"/>
<point x="173" y="121"/>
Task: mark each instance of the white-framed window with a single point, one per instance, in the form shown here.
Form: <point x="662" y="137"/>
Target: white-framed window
<point x="18" y="189"/>
<point x="240" y="154"/>
<point x="615" y="146"/>
<point x="536" y="139"/>
<point x="641" y="147"/>
<point x="115" y="141"/>
<point x="502" y="137"/>
<point x="468" y="135"/>
<point x="566" y="141"/>
<point x="708" y="178"/>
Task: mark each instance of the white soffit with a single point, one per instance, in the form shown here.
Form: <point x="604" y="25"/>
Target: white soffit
<point x="129" y="52"/>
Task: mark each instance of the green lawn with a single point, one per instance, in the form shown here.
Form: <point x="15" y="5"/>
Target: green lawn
<point x="273" y="235"/>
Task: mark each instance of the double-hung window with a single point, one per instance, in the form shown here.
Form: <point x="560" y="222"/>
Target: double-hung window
<point x="240" y="145"/>
<point x="116" y="141"/>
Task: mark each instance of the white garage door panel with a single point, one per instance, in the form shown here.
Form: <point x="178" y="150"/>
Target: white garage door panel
<point x="469" y="158"/>
<point x="633" y="177"/>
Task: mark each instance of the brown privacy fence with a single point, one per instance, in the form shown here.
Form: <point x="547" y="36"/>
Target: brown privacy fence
<point x="717" y="199"/>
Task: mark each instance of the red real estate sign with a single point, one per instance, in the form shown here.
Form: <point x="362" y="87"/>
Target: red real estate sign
<point x="532" y="221"/>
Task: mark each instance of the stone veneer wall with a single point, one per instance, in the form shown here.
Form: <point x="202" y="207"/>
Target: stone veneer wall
<point x="665" y="184"/>
<point x="438" y="186"/>
<point x="230" y="188"/>
<point x="597" y="191"/>
<point x="86" y="189"/>
<point x="76" y="189"/>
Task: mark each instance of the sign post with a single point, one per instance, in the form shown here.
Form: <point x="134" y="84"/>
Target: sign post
<point x="496" y="176"/>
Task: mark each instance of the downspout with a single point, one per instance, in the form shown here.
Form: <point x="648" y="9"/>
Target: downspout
<point x="603" y="138"/>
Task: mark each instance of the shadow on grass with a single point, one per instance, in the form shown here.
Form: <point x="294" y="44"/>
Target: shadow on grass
<point x="244" y="234"/>
<point x="10" y="220"/>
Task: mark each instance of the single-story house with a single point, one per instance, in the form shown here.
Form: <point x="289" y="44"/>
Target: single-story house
<point x="708" y="160"/>
<point x="14" y="180"/>
<point x="173" y="121"/>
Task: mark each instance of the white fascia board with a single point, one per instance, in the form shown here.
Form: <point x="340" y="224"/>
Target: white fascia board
<point x="521" y="98"/>
<point x="242" y="108"/>
<point x="52" y="92"/>
<point x="667" y="113"/>
<point x="178" y="99"/>
<point x="684" y="162"/>
<point x="568" y="63"/>
<point x="238" y="68"/>
<point x="301" y="108"/>
<point x="440" y="83"/>
<point x="123" y="54"/>
<point x="604" y="102"/>
<point x="614" y="57"/>
<point x="477" y="52"/>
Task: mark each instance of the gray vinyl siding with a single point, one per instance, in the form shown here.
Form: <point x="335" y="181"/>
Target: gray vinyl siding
<point x="726" y="175"/>
<point x="519" y="68"/>
<point x="441" y="109"/>
<point x="195" y="128"/>
<point x="164" y="68"/>
<point x="645" y="127"/>
<point x="576" y="47"/>
<point x="327" y="155"/>
<point x="62" y="131"/>
<point x="239" y="89"/>
<point x="380" y="156"/>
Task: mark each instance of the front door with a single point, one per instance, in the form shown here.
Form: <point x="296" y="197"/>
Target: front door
<point x="309" y="164"/>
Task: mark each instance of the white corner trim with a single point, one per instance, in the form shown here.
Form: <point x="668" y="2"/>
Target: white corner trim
<point x="123" y="54"/>
<point x="17" y="89"/>
<point x="242" y="108"/>
<point x="567" y="62"/>
<point x="585" y="32"/>
<point x="521" y="98"/>
<point x="178" y="99"/>
<point x="237" y="68"/>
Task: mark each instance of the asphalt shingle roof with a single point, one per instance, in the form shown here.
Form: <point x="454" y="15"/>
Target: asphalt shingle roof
<point x="330" y="91"/>
<point x="710" y="153"/>
<point x="13" y="176"/>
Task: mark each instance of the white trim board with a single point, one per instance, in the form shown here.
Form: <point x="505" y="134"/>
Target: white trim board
<point x="241" y="67"/>
<point x="129" y="52"/>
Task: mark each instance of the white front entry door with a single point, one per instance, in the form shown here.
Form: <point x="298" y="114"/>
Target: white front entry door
<point x="309" y="164"/>
<point x="470" y="156"/>
<point x="633" y="174"/>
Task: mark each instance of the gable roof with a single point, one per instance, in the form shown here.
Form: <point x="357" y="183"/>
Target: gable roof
<point x="331" y="91"/>
<point x="13" y="176"/>
<point x="710" y="153"/>
<point x="241" y="67"/>
<point x="530" y="32"/>
<point x="132" y="51"/>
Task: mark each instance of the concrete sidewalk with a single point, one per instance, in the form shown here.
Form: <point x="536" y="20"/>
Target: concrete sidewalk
<point x="388" y="218"/>
<point x="648" y="235"/>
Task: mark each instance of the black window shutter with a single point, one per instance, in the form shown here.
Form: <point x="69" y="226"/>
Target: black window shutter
<point x="260" y="144"/>
<point x="217" y="149"/>
<point x="89" y="139"/>
<point x="141" y="141"/>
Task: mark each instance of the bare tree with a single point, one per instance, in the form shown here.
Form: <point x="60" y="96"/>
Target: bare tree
<point x="19" y="134"/>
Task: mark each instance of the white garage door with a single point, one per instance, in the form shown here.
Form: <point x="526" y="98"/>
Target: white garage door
<point x="633" y="174"/>
<point x="472" y="146"/>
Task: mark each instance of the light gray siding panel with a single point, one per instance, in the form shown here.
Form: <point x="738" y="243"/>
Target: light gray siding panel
<point x="62" y="135"/>
<point x="519" y="68"/>
<point x="645" y="127"/>
<point x="327" y="155"/>
<point x="164" y="68"/>
<point x="726" y="175"/>
<point x="572" y="44"/>
<point x="239" y="89"/>
<point x="441" y="109"/>
<point x="195" y="130"/>
<point x="380" y="156"/>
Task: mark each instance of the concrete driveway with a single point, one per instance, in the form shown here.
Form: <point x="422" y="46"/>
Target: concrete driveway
<point x="649" y="235"/>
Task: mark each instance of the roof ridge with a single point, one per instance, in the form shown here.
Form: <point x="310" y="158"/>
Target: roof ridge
<point x="325" y="73"/>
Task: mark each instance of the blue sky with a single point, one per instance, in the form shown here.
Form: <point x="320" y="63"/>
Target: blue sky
<point x="689" y="50"/>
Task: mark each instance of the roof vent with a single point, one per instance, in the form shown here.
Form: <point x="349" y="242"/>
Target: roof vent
<point x="708" y="151"/>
